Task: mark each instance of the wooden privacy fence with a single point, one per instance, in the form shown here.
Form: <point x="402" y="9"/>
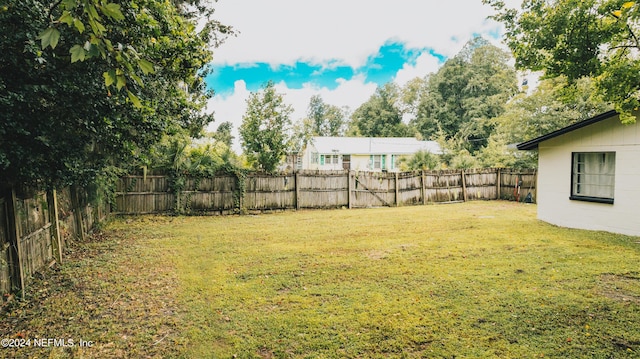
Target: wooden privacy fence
<point x="35" y="228"/>
<point x="320" y="189"/>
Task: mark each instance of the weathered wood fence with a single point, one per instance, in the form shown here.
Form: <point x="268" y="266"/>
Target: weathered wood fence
<point x="320" y="189"/>
<point x="35" y="228"/>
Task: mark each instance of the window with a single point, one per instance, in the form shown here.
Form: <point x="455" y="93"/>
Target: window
<point x="377" y="161"/>
<point x="593" y="176"/>
<point x="329" y="159"/>
<point x="314" y="157"/>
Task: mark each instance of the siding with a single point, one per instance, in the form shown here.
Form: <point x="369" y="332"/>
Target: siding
<point x="554" y="180"/>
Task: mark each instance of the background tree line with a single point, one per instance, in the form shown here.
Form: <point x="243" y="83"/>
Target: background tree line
<point x="474" y="106"/>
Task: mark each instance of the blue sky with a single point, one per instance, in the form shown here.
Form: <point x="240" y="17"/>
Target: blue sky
<point x="379" y="69"/>
<point x="338" y="49"/>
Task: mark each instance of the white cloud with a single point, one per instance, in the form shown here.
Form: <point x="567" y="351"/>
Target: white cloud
<point x="284" y="31"/>
<point x="350" y="93"/>
<point x="230" y="109"/>
<point x="425" y="64"/>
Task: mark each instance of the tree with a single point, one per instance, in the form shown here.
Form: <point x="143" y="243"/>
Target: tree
<point x="421" y="160"/>
<point x="411" y="93"/>
<point x="465" y="93"/>
<point x="325" y="119"/>
<point x="591" y="38"/>
<point x="551" y="106"/>
<point x="381" y="115"/>
<point x="64" y="119"/>
<point x="322" y="120"/>
<point x="97" y="24"/>
<point x="223" y="134"/>
<point x="265" y="127"/>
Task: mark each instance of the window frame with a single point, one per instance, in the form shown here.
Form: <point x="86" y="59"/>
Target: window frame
<point x="378" y="162"/>
<point x="575" y="176"/>
<point x="330" y="159"/>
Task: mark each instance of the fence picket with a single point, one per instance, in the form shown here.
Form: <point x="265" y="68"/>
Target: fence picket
<point x="320" y="189"/>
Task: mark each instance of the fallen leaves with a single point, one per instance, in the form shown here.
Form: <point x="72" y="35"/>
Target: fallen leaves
<point x="110" y="291"/>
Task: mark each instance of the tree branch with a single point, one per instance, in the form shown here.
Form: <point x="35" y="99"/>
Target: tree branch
<point x="53" y="6"/>
<point x="633" y="35"/>
<point x="623" y="47"/>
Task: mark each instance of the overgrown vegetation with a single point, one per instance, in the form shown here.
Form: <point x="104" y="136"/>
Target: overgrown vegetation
<point x="468" y="280"/>
<point x="182" y="158"/>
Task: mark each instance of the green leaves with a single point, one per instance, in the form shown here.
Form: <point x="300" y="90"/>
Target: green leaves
<point x="264" y="128"/>
<point x="597" y="39"/>
<point x="146" y="66"/>
<point x="113" y="11"/>
<point x="77" y="53"/>
<point x="49" y="37"/>
<point x="118" y="74"/>
<point x="109" y="77"/>
<point x="78" y="25"/>
<point x="134" y="99"/>
<point x="66" y="18"/>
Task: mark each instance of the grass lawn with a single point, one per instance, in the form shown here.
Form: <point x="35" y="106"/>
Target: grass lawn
<point x="472" y="280"/>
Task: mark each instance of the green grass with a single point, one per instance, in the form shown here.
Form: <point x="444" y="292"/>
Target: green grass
<point x="480" y="279"/>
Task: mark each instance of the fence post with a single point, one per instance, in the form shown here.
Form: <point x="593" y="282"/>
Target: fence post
<point x="423" y="181"/>
<point x="77" y="213"/>
<point x="56" y="244"/>
<point x="397" y="190"/>
<point x="297" y="180"/>
<point x="350" y="189"/>
<point x="14" y="238"/>
<point x="464" y="186"/>
<point x="498" y="184"/>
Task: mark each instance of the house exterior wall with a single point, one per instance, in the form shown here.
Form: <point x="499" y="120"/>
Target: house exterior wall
<point x="363" y="163"/>
<point x="362" y="153"/>
<point x="554" y="179"/>
<point x="358" y="162"/>
<point x="307" y="163"/>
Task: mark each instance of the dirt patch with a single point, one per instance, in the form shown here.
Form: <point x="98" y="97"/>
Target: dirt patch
<point x="620" y="287"/>
<point x="377" y="255"/>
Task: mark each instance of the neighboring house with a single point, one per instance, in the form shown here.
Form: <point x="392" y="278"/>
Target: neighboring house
<point x="360" y="153"/>
<point x="589" y="175"/>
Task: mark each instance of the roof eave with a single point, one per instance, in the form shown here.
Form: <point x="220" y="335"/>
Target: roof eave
<point x="533" y="144"/>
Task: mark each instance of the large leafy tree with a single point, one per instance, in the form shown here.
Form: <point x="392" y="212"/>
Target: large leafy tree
<point x="88" y="84"/>
<point x="265" y="128"/>
<point x="466" y="92"/>
<point x="587" y="38"/>
<point x="322" y="120"/>
<point x="325" y="119"/>
<point x="551" y="106"/>
<point x="381" y="115"/>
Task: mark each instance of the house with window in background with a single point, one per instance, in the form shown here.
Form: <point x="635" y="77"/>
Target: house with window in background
<point x="377" y="154"/>
<point x="589" y="175"/>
